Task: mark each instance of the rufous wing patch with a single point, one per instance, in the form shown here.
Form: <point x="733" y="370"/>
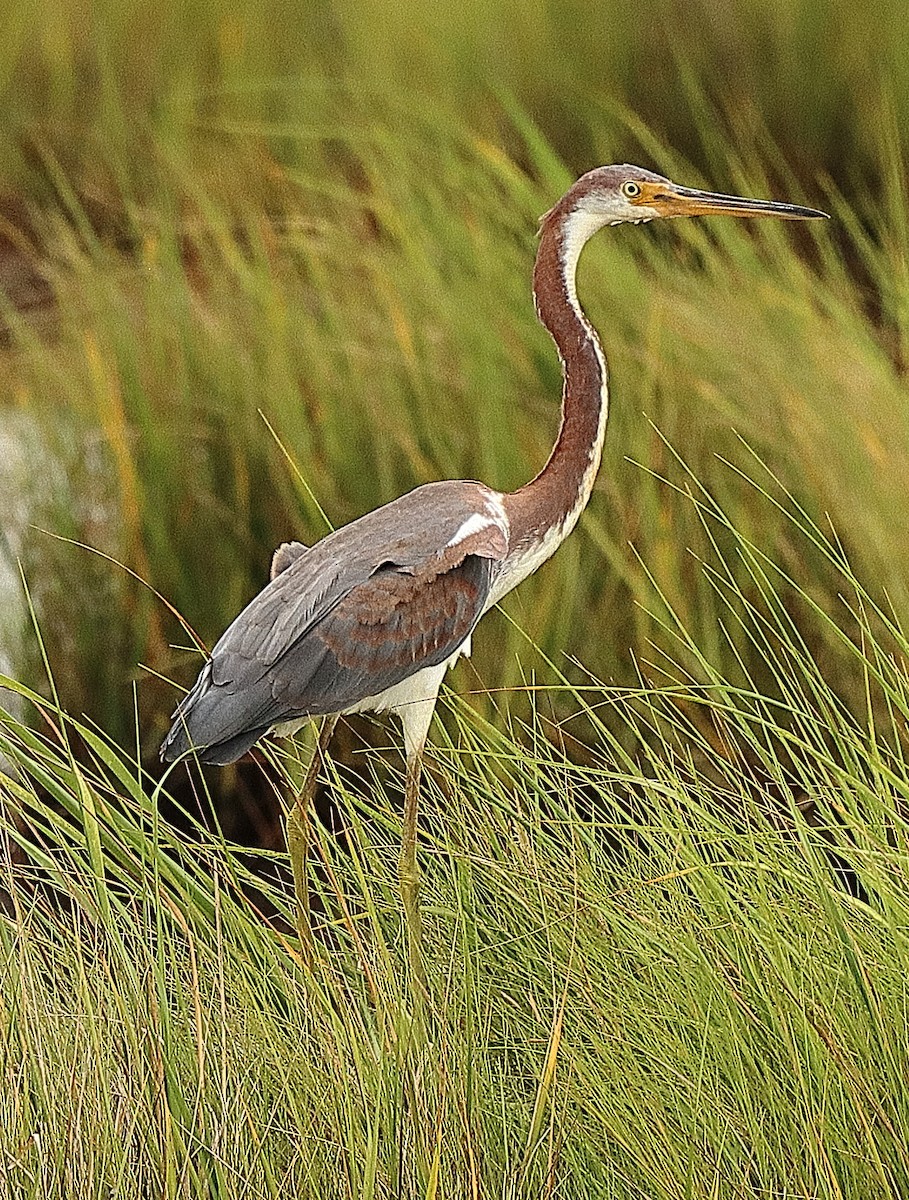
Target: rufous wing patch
<point x="397" y="619"/>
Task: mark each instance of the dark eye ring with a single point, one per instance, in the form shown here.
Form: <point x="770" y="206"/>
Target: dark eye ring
<point x="631" y="189"/>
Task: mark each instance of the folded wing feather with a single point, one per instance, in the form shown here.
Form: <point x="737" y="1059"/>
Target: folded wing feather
<point x="360" y="611"/>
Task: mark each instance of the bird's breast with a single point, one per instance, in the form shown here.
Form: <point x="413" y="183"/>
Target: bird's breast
<point x="523" y="562"/>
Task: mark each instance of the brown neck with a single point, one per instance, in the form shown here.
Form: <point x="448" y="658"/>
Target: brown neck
<point x="555" y="498"/>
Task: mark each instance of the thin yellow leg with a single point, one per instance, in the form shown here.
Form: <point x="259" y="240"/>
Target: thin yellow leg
<point x="409" y="874"/>
<point x="298" y="834"/>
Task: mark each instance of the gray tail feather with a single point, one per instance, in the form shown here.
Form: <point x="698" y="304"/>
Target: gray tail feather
<point x="202" y="726"/>
<point x="178" y="743"/>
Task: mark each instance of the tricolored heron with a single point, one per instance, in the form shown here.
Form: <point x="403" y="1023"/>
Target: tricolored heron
<point x="370" y="618"/>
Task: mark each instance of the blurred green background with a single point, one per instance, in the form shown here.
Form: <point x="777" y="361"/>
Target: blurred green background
<point x="228" y="231"/>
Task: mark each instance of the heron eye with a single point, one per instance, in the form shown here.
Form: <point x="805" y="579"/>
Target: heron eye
<point x="631" y="189"/>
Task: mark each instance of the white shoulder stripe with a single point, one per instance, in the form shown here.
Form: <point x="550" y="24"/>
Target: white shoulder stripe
<point x="474" y="523"/>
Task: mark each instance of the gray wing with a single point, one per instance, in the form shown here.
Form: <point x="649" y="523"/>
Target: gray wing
<point x="396" y="591"/>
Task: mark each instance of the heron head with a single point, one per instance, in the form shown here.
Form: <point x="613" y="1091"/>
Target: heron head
<point x="618" y="194"/>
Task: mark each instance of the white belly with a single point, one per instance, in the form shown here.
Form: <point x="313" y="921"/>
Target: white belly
<point x="413" y="700"/>
<point x="422" y="685"/>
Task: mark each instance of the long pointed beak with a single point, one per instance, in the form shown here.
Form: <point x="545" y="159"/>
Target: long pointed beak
<point x="689" y="202"/>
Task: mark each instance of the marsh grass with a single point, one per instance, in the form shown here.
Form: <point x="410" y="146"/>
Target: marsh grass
<point x="829" y="81"/>
<point x="675" y="973"/>
<point x="664" y="834"/>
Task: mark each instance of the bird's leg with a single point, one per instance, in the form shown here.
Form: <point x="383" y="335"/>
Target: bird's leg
<point x="416" y="718"/>
<point x="409" y="872"/>
<point x="298" y="832"/>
